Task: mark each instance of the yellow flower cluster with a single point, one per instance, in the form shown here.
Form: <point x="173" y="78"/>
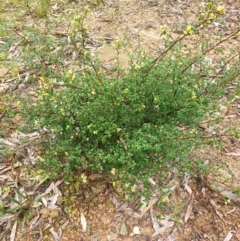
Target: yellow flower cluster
<point x="164" y="29"/>
<point x="209" y="11"/>
<point x="220" y="9"/>
<point x="84" y="178"/>
<point x="188" y="30"/>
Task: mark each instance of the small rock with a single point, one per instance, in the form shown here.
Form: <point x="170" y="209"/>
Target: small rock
<point x="110" y="238"/>
<point x="46" y="213"/>
<point x="59" y="200"/>
<point x="54" y="213"/>
<point x="132" y="234"/>
<point x="118" y="227"/>
<point x="136" y="230"/>
<point x="106" y="220"/>
<point x="124" y="230"/>
<point x="147" y="231"/>
<point x="113" y="229"/>
<point x="206" y="228"/>
<point x="152" y="3"/>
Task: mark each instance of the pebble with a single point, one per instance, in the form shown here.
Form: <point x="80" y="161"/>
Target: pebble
<point x="136" y="230"/>
<point x="110" y="238"/>
<point x="106" y="220"/>
<point x="113" y="229"/>
<point x="54" y="213"/>
<point x="124" y="230"/>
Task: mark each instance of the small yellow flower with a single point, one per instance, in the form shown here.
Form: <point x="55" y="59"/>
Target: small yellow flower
<point x="85" y="28"/>
<point x="136" y="66"/>
<point x="84" y="178"/>
<point x="86" y="53"/>
<point x="18" y="164"/>
<point x="93" y="92"/>
<point x="133" y="188"/>
<point x="70" y="74"/>
<point x="164" y="29"/>
<point x="113" y="171"/>
<point x="117" y="43"/>
<point x="194" y="97"/>
<point x="86" y="9"/>
<point x="202" y="5"/>
<point x="36" y="123"/>
<point x="188" y="30"/>
<point x="226" y="202"/>
<point x="212" y="16"/>
<point x="220" y="9"/>
<point x="165" y="199"/>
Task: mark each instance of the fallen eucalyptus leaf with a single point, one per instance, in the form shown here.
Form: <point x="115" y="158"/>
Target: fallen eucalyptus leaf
<point x="13" y="231"/>
<point x="83" y="222"/>
<point x="229" y="235"/>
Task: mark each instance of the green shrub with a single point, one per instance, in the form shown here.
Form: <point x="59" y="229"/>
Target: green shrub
<point x="139" y="125"/>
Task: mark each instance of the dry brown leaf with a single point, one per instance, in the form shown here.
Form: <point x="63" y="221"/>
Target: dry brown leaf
<point x="151" y="181"/>
<point x="65" y="225"/>
<point x="44" y="201"/>
<point x="56" y="189"/>
<point x="50" y="188"/>
<point x="168" y="224"/>
<point x="3" y="178"/>
<point x="52" y="200"/>
<point x="5" y="169"/>
<point x="53" y="187"/>
<point x="83" y="222"/>
<point x="55" y="235"/>
<point x="8" y="218"/>
<point x="189" y="210"/>
<point x="229" y="235"/>
<point x="220" y="215"/>
<point x="155" y="223"/>
<point x="215" y="206"/>
<point x="115" y="202"/>
<point x="2" y="167"/>
<point x="238" y="234"/>
<point x="95" y="176"/>
<point x="133" y="214"/>
<point x="124" y="143"/>
<point x="47" y="226"/>
<point x="160" y="231"/>
<point x="60" y="232"/>
<point x="35" y="221"/>
<point x="189" y="190"/>
<point x="145" y="208"/>
<point x="13" y="231"/>
<point x="123" y="207"/>
<point x="232" y="154"/>
<point x="7" y="142"/>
